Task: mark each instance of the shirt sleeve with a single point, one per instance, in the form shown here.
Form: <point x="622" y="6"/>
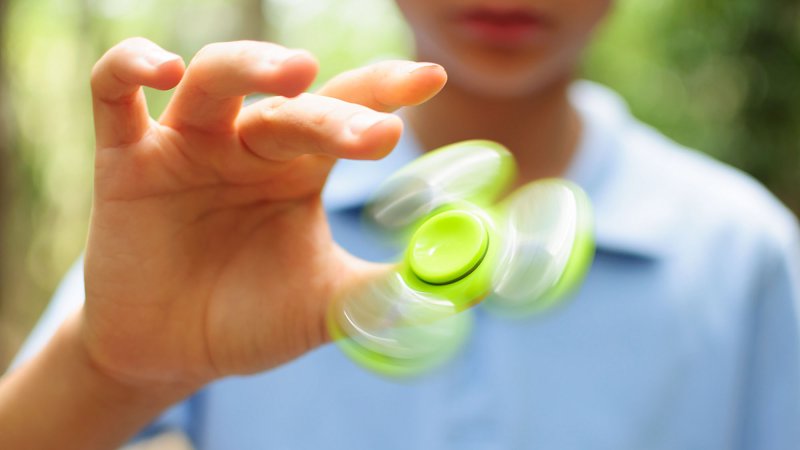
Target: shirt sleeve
<point x="771" y="417"/>
<point x="67" y="299"/>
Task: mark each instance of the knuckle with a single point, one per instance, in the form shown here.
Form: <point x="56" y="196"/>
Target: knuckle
<point x="135" y="42"/>
<point x="127" y="48"/>
<point x="101" y="71"/>
<point x="132" y="46"/>
<point x="272" y="108"/>
<point x="213" y="60"/>
<point x="208" y="51"/>
<point x="215" y="50"/>
<point x="325" y="118"/>
<point x="95" y="79"/>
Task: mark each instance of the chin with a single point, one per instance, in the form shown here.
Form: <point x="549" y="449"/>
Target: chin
<point x="502" y="73"/>
<point x="507" y="83"/>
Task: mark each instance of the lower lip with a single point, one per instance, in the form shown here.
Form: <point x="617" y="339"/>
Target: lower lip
<point x="503" y="33"/>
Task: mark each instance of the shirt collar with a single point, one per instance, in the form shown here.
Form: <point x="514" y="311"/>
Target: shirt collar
<point x="626" y="222"/>
<point x="610" y="165"/>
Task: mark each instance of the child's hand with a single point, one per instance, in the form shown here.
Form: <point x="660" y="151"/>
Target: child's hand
<point x="209" y="253"/>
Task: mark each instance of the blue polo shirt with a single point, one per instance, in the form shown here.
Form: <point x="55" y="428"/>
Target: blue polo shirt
<point x="685" y="335"/>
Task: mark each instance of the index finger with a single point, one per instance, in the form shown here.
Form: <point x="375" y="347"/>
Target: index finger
<point x="387" y="85"/>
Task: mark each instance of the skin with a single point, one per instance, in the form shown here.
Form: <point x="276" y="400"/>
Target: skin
<point x="515" y="95"/>
<point x="207" y="222"/>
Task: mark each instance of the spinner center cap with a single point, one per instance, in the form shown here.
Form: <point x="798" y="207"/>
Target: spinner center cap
<point x="448" y="247"/>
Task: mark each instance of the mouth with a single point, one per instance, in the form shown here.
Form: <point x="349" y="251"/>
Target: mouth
<point x="501" y="27"/>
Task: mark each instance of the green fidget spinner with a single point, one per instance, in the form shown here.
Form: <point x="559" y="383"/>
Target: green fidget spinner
<point x="522" y="254"/>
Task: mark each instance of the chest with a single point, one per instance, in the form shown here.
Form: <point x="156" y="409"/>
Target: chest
<point x="638" y="358"/>
<point x="616" y="367"/>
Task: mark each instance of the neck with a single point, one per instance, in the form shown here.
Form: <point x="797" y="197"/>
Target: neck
<point x="542" y="129"/>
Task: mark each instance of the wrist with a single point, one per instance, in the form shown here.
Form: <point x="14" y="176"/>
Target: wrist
<point x="85" y="406"/>
<point x="150" y="394"/>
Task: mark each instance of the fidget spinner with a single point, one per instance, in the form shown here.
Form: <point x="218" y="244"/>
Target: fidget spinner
<point x="463" y="245"/>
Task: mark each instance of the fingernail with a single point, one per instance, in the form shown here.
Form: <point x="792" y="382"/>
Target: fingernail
<point x="362" y="122"/>
<point x="416" y="67"/>
<point x="160" y="58"/>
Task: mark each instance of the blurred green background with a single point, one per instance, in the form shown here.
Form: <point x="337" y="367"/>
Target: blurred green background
<point x="722" y="76"/>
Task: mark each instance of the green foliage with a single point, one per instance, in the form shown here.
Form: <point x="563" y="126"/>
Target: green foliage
<point x="343" y="34"/>
<point x="721" y="76"/>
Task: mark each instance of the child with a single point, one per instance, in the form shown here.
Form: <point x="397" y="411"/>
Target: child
<point x="210" y="255"/>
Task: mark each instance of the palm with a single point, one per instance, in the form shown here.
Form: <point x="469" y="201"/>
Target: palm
<point x="209" y="252"/>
